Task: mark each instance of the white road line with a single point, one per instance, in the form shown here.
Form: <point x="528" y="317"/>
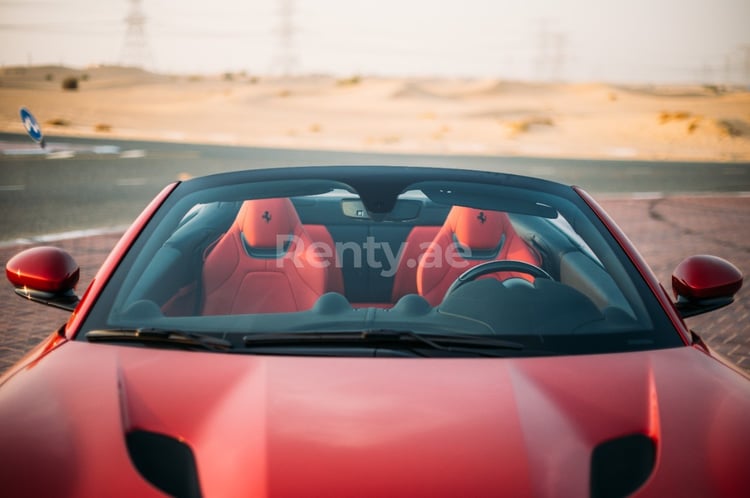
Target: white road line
<point x="62" y="154"/>
<point x="132" y="154"/>
<point x="12" y="188"/>
<point x="24" y="152"/>
<point x="57" y="237"/>
<point x="105" y="149"/>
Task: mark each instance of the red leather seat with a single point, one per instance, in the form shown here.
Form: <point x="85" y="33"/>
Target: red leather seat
<point x="265" y="263"/>
<point x="467" y="238"/>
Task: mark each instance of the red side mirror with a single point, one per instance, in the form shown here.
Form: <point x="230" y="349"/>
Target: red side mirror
<point x="44" y="274"/>
<point x="704" y="283"/>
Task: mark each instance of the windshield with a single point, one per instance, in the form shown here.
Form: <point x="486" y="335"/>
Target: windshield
<point x="442" y="259"/>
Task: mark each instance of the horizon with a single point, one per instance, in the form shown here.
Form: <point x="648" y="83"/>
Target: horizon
<point x="672" y="42"/>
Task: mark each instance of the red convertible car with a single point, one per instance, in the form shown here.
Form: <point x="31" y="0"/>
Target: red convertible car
<point x="374" y="331"/>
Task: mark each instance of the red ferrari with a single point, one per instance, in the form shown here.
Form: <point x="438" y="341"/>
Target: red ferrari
<point x="374" y="331"/>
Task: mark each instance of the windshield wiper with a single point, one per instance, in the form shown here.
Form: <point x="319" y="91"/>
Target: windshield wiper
<point x="485" y="346"/>
<point x="161" y="336"/>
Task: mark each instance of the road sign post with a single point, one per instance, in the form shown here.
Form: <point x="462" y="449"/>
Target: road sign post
<point x="32" y="126"/>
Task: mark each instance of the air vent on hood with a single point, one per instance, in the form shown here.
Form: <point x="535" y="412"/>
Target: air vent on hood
<point x="622" y="465"/>
<point x="165" y="462"/>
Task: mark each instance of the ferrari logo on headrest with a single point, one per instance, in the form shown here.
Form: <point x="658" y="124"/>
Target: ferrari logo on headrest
<point x="266" y="216"/>
<point x="481" y="217"/>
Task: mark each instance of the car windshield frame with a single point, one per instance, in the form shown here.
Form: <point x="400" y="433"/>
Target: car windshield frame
<point x="529" y="202"/>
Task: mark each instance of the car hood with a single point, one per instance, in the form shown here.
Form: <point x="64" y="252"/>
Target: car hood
<point x="306" y="426"/>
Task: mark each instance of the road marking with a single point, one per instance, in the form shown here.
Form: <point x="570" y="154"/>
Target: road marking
<point x="105" y="149"/>
<point x="61" y="154"/>
<point x="24" y="152"/>
<point x="57" y="237"/>
<point x="132" y="154"/>
<point x="12" y="188"/>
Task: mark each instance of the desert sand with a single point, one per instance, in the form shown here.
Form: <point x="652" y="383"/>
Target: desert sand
<point x="362" y="113"/>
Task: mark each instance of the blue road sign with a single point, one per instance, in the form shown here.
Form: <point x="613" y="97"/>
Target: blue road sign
<point x="31" y="125"/>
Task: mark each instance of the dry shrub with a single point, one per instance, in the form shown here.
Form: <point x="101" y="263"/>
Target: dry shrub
<point x="441" y="132"/>
<point x="70" y="83"/>
<point x="315" y="128"/>
<point x="351" y="81"/>
<point x="524" y="125"/>
<point x="666" y="116"/>
<point x="58" y="122"/>
<point x="103" y="128"/>
<point x="715" y="89"/>
<point x="733" y="127"/>
<point x="284" y="93"/>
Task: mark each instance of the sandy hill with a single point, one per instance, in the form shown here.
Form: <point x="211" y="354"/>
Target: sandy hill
<point x="479" y="116"/>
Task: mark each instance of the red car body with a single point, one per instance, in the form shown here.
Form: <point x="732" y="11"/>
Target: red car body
<point x="72" y="412"/>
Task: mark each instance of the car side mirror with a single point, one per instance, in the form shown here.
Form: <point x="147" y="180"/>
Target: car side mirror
<point x="46" y="275"/>
<point x="704" y="283"/>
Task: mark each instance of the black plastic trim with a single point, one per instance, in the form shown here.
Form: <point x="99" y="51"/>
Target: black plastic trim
<point x="620" y="466"/>
<point x="165" y="462"/>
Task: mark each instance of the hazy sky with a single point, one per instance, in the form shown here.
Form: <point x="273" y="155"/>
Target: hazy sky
<point x="648" y="41"/>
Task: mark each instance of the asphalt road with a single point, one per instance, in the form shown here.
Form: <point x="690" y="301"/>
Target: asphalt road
<point x="82" y="184"/>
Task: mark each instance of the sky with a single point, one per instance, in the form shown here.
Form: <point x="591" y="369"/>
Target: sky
<point x="619" y="41"/>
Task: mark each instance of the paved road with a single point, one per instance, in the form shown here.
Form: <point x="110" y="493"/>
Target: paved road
<point x="84" y="184"/>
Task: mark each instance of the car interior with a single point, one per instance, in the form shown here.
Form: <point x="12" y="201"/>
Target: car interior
<point x="321" y="260"/>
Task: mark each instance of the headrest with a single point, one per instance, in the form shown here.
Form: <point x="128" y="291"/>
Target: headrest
<point x="261" y="221"/>
<point x="476" y="228"/>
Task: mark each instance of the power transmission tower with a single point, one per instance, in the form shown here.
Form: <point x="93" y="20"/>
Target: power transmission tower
<point x="285" y="61"/>
<point x="135" y="48"/>
<point x="551" y="53"/>
<point x="558" y="57"/>
<point x="542" y="61"/>
<point x="745" y="50"/>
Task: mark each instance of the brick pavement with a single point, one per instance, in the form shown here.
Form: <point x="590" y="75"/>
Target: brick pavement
<point x="665" y="230"/>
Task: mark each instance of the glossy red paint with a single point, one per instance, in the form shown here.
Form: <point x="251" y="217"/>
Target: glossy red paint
<point x="292" y="426"/>
<point x="640" y="264"/>
<point x="705" y="277"/>
<point x="47" y="269"/>
<point x="35" y="355"/>
<point x="109" y="265"/>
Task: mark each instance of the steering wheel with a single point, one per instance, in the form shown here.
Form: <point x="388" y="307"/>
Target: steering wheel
<point x="493" y="267"/>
